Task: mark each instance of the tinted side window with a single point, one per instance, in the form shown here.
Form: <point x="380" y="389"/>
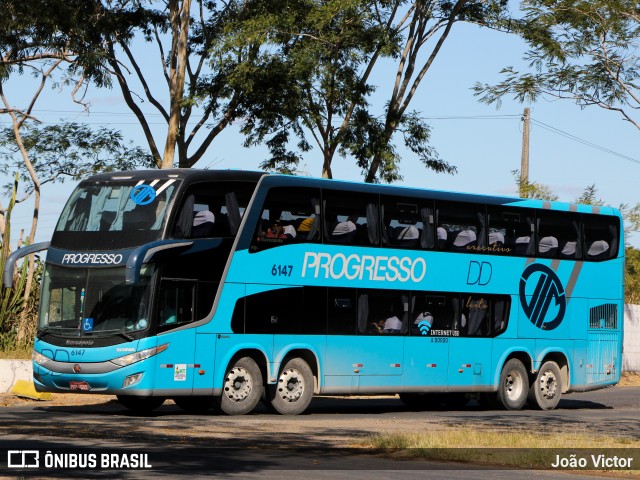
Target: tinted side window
<point x="177" y="303"/>
<point x="435" y="314"/>
<point x="212" y="209"/>
<point x="510" y="231"/>
<point x="484" y="315"/>
<point x="351" y="218"/>
<point x="341" y="311"/>
<point x="407" y="223"/>
<point x="286" y="311"/>
<point x="559" y="235"/>
<point x="461" y="227"/>
<point x="601" y="236"/>
<point x="383" y="312"/>
<point x="290" y="215"/>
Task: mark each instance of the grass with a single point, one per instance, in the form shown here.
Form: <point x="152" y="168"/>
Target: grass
<point x="16" y="353"/>
<point x="512" y="448"/>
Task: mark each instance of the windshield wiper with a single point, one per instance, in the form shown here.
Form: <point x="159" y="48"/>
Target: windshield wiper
<point x="120" y="333"/>
<point x="49" y="329"/>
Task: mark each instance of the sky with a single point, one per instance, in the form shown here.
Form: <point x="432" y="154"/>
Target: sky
<point x="570" y="148"/>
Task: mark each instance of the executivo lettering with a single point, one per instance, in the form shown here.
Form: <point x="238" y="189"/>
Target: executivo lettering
<point x="364" y="267"/>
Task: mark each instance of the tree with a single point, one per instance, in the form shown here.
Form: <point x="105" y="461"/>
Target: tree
<point x="329" y="50"/>
<point x="528" y="189"/>
<point x="12" y="302"/>
<point x="632" y="276"/>
<point x="581" y="51"/>
<point x="44" y="38"/>
<point x="206" y="87"/>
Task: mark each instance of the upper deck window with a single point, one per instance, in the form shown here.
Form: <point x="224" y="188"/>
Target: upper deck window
<point x="289" y="215"/>
<point x="117" y="207"/>
<point x="212" y="209"/>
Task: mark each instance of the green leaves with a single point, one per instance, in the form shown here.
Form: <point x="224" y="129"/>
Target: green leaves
<point x="69" y="150"/>
<point x="585" y="51"/>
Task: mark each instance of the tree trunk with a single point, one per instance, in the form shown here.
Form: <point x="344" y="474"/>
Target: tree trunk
<point x="180" y="29"/>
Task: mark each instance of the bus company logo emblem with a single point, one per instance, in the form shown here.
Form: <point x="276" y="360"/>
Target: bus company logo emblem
<point x="143" y="194"/>
<point x="547" y="289"/>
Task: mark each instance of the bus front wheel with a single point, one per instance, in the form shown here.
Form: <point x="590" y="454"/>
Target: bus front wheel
<point x="140" y="404"/>
<point x="242" y="387"/>
<point x="514" y="385"/>
<point x="546" y="389"/>
<point x="294" y="390"/>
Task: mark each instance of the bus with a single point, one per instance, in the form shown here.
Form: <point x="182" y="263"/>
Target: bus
<point x="222" y="289"/>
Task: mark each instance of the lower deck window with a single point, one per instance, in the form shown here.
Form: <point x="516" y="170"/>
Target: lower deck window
<point x="350" y="311"/>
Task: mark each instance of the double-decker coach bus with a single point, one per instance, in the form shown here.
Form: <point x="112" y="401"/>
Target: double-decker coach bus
<point x="222" y="288"/>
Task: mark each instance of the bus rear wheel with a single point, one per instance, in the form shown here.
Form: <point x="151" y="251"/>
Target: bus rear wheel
<point x="546" y="389"/>
<point x="242" y="388"/>
<point x="294" y="390"/>
<point x="140" y="404"/>
<point x="514" y="385"/>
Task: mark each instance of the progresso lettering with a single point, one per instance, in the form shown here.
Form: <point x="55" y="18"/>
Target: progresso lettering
<point x="364" y="267"/>
<point x="92" y="258"/>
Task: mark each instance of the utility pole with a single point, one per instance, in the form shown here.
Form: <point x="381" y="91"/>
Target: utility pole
<point x="524" y="161"/>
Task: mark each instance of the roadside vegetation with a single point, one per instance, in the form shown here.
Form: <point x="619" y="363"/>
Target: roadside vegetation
<point x="513" y="447"/>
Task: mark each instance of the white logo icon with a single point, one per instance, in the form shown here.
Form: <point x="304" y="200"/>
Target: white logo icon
<point x="23" y="459"/>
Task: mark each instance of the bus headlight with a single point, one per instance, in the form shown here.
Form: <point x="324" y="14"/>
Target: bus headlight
<point x="39" y="358"/>
<point x="139" y="356"/>
<point x="131" y="380"/>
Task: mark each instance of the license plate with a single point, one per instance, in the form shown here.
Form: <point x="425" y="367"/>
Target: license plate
<point x="84" y="386"/>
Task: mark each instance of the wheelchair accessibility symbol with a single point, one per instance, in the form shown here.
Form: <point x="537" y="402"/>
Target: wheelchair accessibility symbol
<point x="546" y="306"/>
<point x="142" y="194"/>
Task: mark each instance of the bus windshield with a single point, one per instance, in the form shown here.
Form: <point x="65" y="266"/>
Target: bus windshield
<point x="94" y="301"/>
<point x="117" y="207"/>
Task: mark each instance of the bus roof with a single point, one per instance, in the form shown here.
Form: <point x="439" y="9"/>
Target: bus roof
<point x="503" y="200"/>
<point x="189" y="176"/>
<point x="186" y="174"/>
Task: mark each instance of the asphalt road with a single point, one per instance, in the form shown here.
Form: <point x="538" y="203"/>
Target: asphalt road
<point x="318" y="444"/>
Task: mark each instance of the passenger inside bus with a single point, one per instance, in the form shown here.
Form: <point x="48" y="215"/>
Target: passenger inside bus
<point x="392" y="324"/>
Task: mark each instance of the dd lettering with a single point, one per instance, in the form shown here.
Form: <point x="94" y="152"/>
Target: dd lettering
<point x="479" y="273"/>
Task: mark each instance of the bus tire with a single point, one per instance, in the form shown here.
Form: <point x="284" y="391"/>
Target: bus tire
<point x="514" y="385"/>
<point x="196" y="404"/>
<point x="546" y="389"/>
<point x="140" y="404"/>
<point x="242" y="388"/>
<point x="294" y="390"/>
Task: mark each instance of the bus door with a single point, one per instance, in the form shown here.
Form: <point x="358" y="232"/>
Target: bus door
<point x="176" y="310"/>
<point x="471" y="345"/>
<point x="426" y="355"/>
<point x="362" y="355"/>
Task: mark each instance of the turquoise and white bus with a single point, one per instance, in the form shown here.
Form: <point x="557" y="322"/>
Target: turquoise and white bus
<point x="223" y="288"/>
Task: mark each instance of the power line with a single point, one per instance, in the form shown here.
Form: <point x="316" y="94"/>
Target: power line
<point x="518" y="116"/>
<point x="570" y="136"/>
